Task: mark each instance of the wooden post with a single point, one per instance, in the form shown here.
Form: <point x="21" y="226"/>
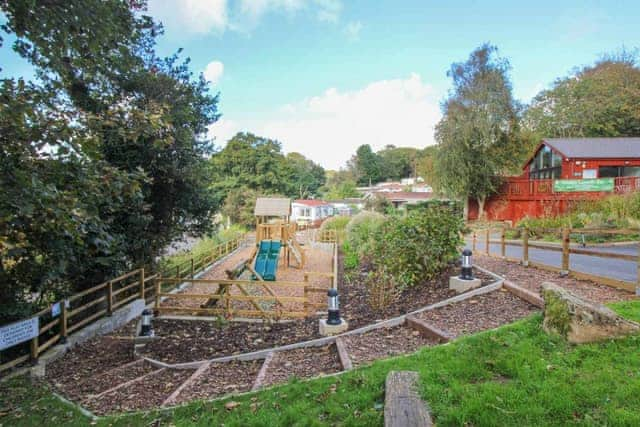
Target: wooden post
<point x="474" y="241"/>
<point x="638" y="284"/>
<point x="157" y="283"/>
<point x="63" y="322"/>
<point x="33" y="349"/>
<point x="227" y="295"/>
<point x="109" y="298"/>
<point x="142" y="283"/>
<point x="565" y="250"/>
<point x="488" y="236"/>
<point x="177" y="271"/>
<point x="192" y="271"/>
<point x="306" y="294"/>
<point x="227" y="246"/>
<point x="503" y="247"/>
<point x="525" y="247"/>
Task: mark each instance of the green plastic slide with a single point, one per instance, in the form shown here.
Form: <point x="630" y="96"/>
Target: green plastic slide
<point x="266" y="263"/>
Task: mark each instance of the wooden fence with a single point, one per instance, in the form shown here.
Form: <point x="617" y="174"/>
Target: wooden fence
<point x="564" y="249"/>
<point x="84" y="308"/>
<point x="326" y="236"/>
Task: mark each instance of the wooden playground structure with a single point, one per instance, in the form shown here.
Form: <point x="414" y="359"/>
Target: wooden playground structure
<point x="251" y="288"/>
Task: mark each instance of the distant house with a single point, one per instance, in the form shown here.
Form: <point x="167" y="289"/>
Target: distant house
<point x="401" y="198"/>
<point x="310" y="212"/>
<point x="346" y="207"/>
<point x="562" y="172"/>
<point x="404" y="185"/>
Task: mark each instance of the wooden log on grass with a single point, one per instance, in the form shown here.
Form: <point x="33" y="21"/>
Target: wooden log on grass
<point x="402" y="404"/>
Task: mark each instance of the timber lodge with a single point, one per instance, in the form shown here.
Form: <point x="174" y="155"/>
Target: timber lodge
<point x="563" y="171"/>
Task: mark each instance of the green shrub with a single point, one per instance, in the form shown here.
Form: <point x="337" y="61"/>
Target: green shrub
<point x="360" y="232"/>
<point x="417" y="247"/>
<point x="337" y="223"/>
<point x="350" y="256"/>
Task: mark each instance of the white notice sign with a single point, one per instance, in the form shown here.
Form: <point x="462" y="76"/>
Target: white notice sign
<point x="18" y="332"/>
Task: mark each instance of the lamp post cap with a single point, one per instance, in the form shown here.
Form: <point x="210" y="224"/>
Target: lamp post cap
<point x="147" y="312"/>
<point x="332" y="292"/>
<point x="466" y="252"/>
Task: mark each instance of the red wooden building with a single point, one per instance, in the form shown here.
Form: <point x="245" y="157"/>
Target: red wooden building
<point x="562" y="171"/>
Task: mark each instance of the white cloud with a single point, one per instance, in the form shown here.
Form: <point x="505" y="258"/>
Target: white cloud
<point x="352" y="30"/>
<point x="222" y="131"/>
<point x="197" y="17"/>
<point x="328" y="128"/>
<point x="214" y="71"/>
<point x="191" y="16"/>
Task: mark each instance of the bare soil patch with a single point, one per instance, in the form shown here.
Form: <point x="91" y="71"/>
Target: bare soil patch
<point x="479" y="313"/>
<point x="532" y="278"/>
<point x="302" y="363"/>
<point x="107" y="380"/>
<point x="385" y="342"/>
<point x="146" y="394"/>
<point x="221" y="379"/>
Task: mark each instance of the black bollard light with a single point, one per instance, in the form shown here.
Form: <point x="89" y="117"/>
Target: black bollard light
<point x="334" y="308"/>
<point x="466" y="272"/>
<point x="146" y="330"/>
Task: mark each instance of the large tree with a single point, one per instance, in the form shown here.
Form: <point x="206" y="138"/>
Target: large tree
<point x="597" y="100"/>
<point x="101" y="158"/>
<point x="365" y="165"/>
<point x="306" y="176"/>
<point x="478" y="134"/>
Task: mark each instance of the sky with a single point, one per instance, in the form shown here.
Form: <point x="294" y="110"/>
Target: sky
<point x="325" y="76"/>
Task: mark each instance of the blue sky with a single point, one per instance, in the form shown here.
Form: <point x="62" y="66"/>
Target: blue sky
<point x="324" y="76"/>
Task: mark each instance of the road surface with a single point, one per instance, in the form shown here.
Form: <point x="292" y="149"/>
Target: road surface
<point x="612" y="268"/>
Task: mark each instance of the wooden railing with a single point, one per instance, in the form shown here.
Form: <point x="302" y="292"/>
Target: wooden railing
<point x="326" y="236"/>
<point x="564" y="249"/>
<point x="83" y="308"/>
<point x="532" y="188"/>
<point x="260" y="294"/>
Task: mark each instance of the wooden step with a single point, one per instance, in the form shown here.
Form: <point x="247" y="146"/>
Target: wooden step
<point x="403" y="407"/>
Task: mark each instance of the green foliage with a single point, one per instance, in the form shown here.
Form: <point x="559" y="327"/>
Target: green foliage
<point x="361" y="231"/>
<point x="417" y="247"/>
<point x="478" y="135"/>
<point x="306" y="176"/>
<point x="630" y="310"/>
<point x="239" y="206"/>
<point x="378" y="203"/>
<point x="337" y="223"/>
<point x="556" y="314"/>
<point x="513" y="376"/>
<point x="350" y="256"/>
<point x="597" y="100"/>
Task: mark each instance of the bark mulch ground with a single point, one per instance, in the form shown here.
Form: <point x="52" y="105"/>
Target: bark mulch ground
<point x="107" y="380"/>
<point x="532" y="278"/>
<point x="192" y="340"/>
<point x="385" y="342"/>
<point x="302" y="363"/>
<point x="146" y="394"/>
<point x="479" y="313"/>
<point x="221" y="379"/>
<point x="88" y="360"/>
<point x="355" y="296"/>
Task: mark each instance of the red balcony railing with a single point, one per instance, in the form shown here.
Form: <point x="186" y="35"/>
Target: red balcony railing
<point x="522" y="188"/>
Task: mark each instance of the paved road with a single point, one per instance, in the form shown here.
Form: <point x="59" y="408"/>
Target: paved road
<point x="613" y="268"/>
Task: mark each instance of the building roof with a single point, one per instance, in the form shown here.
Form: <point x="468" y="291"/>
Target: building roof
<point x="268" y="206"/>
<point x="406" y="195"/>
<point x="602" y="148"/>
<point x="311" y="202"/>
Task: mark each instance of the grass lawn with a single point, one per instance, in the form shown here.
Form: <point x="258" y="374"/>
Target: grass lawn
<point x="516" y="375"/>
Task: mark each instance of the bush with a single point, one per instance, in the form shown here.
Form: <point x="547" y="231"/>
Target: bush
<point x="417" y="247"/>
<point x="360" y="232"/>
<point x="337" y="223"/>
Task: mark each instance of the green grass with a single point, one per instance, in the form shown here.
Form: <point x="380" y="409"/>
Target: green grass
<point x="628" y="309"/>
<point x="516" y="375"/>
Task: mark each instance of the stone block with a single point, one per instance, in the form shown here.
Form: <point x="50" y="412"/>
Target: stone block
<point x="459" y="285"/>
<point x="326" y="329"/>
<point x="581" y="321"/>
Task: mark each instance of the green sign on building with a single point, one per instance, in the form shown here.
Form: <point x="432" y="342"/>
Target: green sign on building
<point x="574" y="185"/>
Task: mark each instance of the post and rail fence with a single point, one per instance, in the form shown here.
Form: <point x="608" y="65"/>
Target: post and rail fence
<point x="564" y="249"/>
<point x="53" y="324"/>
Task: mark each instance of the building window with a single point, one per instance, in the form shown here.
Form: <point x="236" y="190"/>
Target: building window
<point x="618" y="171"/>
<point x="545" y="165"/>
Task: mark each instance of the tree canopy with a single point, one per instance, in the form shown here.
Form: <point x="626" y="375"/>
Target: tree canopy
<point x="595" y="100"/>
<point x="103" y="157"/>
<point x="478" y="134"/>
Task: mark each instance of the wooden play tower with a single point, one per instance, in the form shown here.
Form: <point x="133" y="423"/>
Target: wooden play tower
<point x="273" y="223"/>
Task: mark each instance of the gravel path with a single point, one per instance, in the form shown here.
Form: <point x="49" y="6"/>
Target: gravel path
<point x="384" y="342"/>
<point x="479" y="313"/>
<point x="532" y="278"/>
